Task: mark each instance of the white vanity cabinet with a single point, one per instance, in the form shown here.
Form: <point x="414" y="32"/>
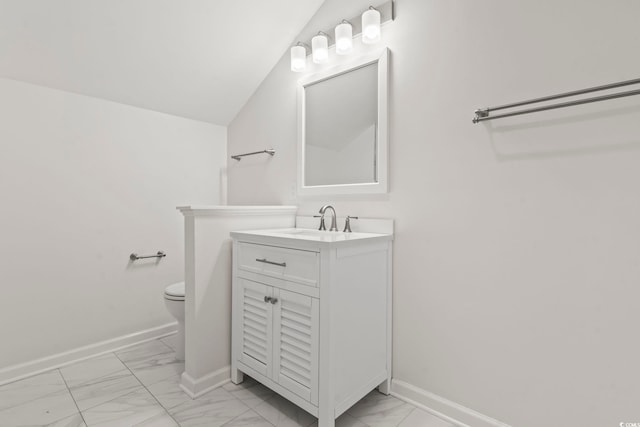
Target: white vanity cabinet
<point x="311" y="315"/>
<point x="278" y="336"/>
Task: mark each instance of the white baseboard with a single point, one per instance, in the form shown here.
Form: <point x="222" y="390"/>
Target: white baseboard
<point x="197" y="387"/>
<point x="439" y="406"/>
<point x="23" y="370"/>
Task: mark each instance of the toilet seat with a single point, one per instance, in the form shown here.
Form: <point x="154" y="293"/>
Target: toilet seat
<point x="175" y="292"/>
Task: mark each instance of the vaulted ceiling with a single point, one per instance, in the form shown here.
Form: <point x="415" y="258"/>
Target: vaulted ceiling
<point x="200" y="59"/>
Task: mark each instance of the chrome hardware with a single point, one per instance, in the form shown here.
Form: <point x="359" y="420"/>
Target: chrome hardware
<point x="333" y="217"/>
<point x="347" y="224"/>
<point x="483" y="114"/>
<point x="269" y="151"/>
<point x="322" y="227"/>
<point x="135" y="257"/>
<point x="279" y="264"/>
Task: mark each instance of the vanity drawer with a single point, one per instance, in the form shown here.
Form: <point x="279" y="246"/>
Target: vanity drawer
<point x="282" y="263"/>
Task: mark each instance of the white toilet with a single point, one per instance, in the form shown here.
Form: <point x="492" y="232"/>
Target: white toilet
<point x="174" y="300"/>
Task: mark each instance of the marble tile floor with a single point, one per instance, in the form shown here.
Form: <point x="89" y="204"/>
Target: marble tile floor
<point x="138" y="386"/>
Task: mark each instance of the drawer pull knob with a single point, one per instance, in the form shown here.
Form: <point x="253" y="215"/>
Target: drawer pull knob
<point x="264" y="260"/>
<point x="273" y="300"/>
<point x="267" y="299"/>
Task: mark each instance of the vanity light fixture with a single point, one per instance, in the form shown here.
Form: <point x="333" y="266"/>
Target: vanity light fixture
<point x="344" y="38"/>
<point x="320" y="48"/>
<point x="371" y="26"/>
<point x="366" y="24"/>
<point x="298" y="57"/>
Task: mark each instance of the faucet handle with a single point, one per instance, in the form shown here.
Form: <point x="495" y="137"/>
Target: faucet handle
<point x="347" y="224"/>
<point x="322" y="227"/>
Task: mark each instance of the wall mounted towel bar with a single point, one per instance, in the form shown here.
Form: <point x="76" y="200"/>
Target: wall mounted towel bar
<point x="135" y="257"/>
<point x="269" y="151"/>
<point x="484" y="113"/>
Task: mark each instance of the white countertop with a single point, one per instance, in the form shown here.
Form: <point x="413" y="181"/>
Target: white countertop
<point x="310" y="235"/>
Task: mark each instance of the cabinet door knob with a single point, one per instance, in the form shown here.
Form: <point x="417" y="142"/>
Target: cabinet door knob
<point x="267" y="299"/>
<point x="274" y="300"/>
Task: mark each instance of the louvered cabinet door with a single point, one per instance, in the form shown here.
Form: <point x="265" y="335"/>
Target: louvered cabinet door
<point x="256" y="340"/>
<point x="296" y="338"/>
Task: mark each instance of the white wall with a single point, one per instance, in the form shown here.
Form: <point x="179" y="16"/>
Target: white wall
<point x="83" y="183"/>
<point x="516" y="255"/>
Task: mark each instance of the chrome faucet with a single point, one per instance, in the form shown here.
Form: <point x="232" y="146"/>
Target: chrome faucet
<point x="323" y="209"/>
<point x="347" y="223"/>
<point x="322" y="227"/>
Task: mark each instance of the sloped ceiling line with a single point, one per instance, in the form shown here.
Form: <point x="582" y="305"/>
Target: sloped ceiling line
<point x="189" y="58"/>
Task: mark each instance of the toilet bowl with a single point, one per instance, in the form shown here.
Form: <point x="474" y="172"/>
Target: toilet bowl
<point x="174" y="300"/>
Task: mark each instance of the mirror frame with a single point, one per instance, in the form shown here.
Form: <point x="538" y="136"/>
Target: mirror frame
<point x="382" y="131"/>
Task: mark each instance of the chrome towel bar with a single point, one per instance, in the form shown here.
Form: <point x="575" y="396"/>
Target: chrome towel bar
<point x="483" y="114"/>
<point x="269" y="151"/>
<point x="135" y="257"/>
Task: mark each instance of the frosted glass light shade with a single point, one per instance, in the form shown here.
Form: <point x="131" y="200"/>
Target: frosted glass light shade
<point x="344" y="38"/>
<point x="320" y="49"/>
<point x="370" y="26"/>
<point x="298" y="59"/>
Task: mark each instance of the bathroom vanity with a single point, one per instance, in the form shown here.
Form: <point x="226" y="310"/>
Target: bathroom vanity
<point x="311" y="315"/>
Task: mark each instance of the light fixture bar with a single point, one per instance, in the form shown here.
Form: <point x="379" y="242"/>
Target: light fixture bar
<point x="386" y="15"/>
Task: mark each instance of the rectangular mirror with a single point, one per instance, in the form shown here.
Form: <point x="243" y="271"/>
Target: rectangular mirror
<point x="343" y="130"/>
